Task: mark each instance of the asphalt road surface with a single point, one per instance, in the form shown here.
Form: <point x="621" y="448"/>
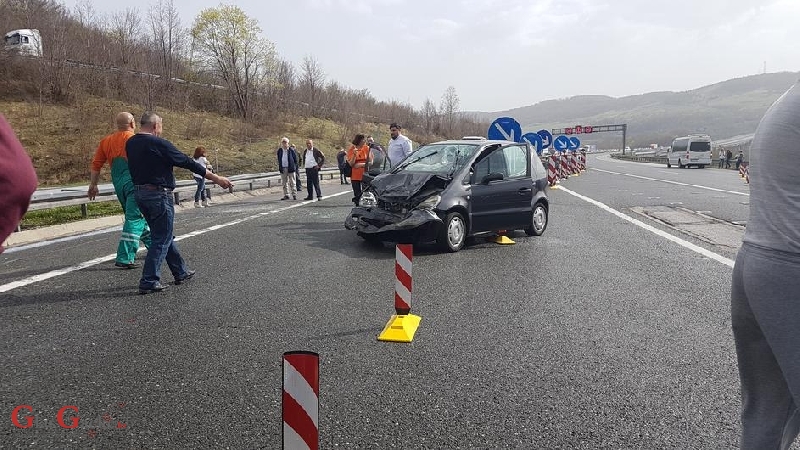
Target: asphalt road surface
<point x="612" y="330"/>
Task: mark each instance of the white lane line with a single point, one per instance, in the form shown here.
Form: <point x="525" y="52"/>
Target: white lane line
<point x="605" y="171"/>
<point x="55" y="273"/>
<point x="639" y="176"/>
<point x="64" y="239"/>
<point x="683" y="243"/>
<point x="675" y="182"/>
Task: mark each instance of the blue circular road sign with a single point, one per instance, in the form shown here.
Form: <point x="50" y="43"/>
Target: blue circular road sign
<point x="547" y="138"/>
<point x="505" y="129"/>
<point x="535" y="141"/>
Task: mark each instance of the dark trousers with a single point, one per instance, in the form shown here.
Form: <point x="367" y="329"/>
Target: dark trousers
<point x="356" y="190"/>
<point x="158" y="210"/>
<point x="312" y="182"/>
<point x="764" y="317"/>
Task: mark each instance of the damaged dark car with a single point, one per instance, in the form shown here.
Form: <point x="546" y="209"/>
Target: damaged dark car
<point x="450" y="191"/>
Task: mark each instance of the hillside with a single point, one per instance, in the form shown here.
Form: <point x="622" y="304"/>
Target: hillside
<point x="722" y="110"/>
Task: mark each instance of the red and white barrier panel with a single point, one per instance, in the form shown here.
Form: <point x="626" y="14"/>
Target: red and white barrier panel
<point x="552" y="171"/>
<point x="582" y="161"/>
<point x="565" y="170"/>
<point x="404" y="255"/>
<point x="300" y="404"/>
<point x="573" y="163"/>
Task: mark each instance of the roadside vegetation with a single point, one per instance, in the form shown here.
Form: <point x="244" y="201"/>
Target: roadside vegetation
<point x="92" y="66"/>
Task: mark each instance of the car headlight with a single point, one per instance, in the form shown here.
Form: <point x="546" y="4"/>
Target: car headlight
<point x="430" y="202"/>
<point x="367" y="200"/>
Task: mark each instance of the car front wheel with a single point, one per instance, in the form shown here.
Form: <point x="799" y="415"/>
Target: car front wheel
<point x="454" y="233"/>
<point x="538" y="221"/>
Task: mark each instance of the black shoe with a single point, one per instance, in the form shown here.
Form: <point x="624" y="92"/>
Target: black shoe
<point x="346" y="182"/>
<point x="319" y="198"/>
<point x="294" y="197"/>
<point x="309" y="198"/>
<point x="185" y="278"/>
<point x="285" y="197"/>
<point x="132" y="265"/>
<point x="158" y="287"/>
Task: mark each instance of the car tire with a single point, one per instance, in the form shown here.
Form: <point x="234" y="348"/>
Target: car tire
<point x="538" y="220"/>
<point x="680" y="164"/>
<point x="453" y="235"/>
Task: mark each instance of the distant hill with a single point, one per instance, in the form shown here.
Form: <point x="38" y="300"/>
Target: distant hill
<point x="721" y="110"/>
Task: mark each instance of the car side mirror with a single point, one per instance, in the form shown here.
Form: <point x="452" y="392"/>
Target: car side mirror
<point x="494" y="176"/>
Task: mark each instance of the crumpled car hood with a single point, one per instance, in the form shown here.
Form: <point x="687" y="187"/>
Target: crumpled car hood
<point x="406" y="185"/>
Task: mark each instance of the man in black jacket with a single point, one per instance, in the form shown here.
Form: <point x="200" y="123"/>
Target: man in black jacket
<point x="312" y="161"/>
<point x="287" y="166"/>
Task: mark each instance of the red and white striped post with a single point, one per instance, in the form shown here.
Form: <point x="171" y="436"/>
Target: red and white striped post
<point x="404" y="255"/>
<point x="564" y="165"/>
<point x="300" y="404"/>
<point x="552" y="172"/>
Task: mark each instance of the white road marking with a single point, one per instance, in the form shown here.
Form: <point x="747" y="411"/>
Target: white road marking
<point x="683" y="243"/>
<point x="639" y="176"/>
<point x="606" y="171"/>
<point x="55" y="273"/>
<point x="675" y="182"/>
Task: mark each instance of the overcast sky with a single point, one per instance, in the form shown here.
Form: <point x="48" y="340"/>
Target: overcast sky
<point x="503" y="54"/>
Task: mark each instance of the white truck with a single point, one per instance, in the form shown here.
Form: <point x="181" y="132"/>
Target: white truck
<point x="25" y="42"/>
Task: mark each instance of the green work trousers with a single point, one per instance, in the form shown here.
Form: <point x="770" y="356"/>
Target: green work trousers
<point x="134" y="229"/>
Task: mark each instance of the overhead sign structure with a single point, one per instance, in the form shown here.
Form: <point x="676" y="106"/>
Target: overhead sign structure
<point x="574" y="143"/>
<point x="535" y="141"/>
<point x="547" y="138"/>
<point x="505" y="129"/>
<point x="586" y="129"/>
<point x="561" y="143"/>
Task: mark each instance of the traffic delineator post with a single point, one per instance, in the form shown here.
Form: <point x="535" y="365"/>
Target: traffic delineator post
<point x="403" y="325"/>
<point x="300" y="403"/>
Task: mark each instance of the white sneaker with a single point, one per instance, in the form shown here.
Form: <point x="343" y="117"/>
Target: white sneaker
<point x="197" y="205"/>
<point x="206" y="203"/>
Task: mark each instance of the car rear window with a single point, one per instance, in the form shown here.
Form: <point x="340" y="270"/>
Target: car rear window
<point x="700" y="147"/>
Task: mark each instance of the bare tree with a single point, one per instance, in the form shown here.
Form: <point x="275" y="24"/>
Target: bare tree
<point x="312" y="81"/>
<point x="168" y="37"/>
<point x="449" y="108"/>
<point x="430" y="116"/>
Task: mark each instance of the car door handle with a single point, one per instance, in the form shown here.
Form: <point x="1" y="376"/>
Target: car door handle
<point x="524" y="191"/>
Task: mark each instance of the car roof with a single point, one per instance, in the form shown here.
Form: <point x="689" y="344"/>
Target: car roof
<point x="473" y="142"/>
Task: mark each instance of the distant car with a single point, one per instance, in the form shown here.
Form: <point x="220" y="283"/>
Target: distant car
<point x="448" y="191"/>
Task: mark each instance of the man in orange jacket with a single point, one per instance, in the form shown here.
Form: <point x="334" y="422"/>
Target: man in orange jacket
<point x="112" y="150"/>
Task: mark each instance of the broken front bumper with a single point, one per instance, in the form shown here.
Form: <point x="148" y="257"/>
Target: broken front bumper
<point x="418" y="225"/>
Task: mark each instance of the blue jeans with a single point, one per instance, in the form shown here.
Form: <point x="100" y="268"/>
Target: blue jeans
<point x="159" y="212"/>
<point x="201" y="189"/>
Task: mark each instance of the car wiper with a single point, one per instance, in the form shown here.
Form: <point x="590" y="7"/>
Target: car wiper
<point x="407" y="162"/>
<point x="455" y="164"/>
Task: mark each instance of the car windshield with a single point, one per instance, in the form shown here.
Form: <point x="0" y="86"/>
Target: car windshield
<point x="441" y="159"/>
<point x="700" y="147"/>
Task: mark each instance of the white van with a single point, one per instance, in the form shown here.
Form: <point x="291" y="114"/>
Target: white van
<point x="692" y="150"/>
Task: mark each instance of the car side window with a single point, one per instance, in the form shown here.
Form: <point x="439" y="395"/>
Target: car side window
<point x="495" y="162"/>
<point x="516" y="160"/>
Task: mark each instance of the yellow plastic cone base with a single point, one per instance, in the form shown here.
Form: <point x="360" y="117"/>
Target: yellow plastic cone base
<point x="503" y="240"/>
<point x="555" y="186"/>
<point x="400" y="328"/>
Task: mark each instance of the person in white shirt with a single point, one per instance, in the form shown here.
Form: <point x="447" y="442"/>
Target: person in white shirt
<point x="399" y="146"/>
<point x="312" y="162"/>
<point x="200" y="193"/>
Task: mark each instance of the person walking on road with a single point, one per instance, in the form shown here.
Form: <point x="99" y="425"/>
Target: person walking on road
<point x="358" y="157"/>
<point x="151" y="159"/>
<point x="399" y="146"/>
<point x="312" y="161"/>
<point x="287" y="166"/>
<point x="721" y="164"/>
<point x="765" y="289"/>
<point x="112" y="151"/>
<point x="739" y="159"/>
<point x="344" y="168"/>
<point x="200" y="193"/>
<point x="728" y="157"/>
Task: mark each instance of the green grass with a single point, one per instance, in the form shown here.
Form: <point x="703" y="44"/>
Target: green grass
<point x="67" y="214"/>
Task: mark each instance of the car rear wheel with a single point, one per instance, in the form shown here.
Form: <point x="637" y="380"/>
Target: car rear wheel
<point x="538" y="221"/>
<point x="454" y="233"/>
<point x="680" y="164"/>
